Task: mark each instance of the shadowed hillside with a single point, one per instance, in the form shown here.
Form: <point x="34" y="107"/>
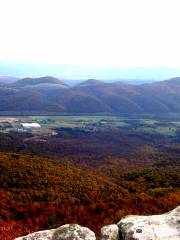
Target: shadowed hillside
<point x="48" y="94"/>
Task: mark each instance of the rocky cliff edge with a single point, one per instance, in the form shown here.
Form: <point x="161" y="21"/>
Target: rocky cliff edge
<point x="155" y="227"/>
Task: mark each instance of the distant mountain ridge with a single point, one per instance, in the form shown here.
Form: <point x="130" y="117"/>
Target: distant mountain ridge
<point x="48" y="94"/>
<point x="8" y="79"/>
<point x="41" y="80"/>
<point x="90" y="82"/>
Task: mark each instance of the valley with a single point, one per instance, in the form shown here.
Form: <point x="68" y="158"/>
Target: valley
<point x="166" y="126"/>
<point x="103" y="149"/>
<point x="55" y="168"/>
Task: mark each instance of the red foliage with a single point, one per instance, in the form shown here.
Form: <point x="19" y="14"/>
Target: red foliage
<point x="37" y="194"/>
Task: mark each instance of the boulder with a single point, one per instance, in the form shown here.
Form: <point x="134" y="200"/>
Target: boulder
<point x="65" y="232"/>
<point x="155" y="227"/>
<point x="73" y="232"/>
<point x="110" y="232"/>
<point x="42" y="235"/>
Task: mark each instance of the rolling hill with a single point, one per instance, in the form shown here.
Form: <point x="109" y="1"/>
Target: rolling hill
<point x="26" y="82"/>
<point x="48" y="94"/>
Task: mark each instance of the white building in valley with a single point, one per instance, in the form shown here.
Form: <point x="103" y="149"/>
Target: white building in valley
<point x="31" y="125"/>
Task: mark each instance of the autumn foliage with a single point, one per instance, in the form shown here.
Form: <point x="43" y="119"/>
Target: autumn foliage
<point x="38" y="193"/>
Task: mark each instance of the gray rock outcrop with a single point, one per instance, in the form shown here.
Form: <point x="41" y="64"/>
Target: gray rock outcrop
<point x="132" y="227"/>
<point x="41" y="235"/>
<point x="65" y="232"/>
<point x="155" y="227"/>
<point x="110" y="232"/>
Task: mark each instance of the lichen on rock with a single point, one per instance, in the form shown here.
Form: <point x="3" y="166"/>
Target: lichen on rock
<point x="73" y="232"/>
<point x="156" y="227"/>
<point x="110" y="232"/>
<point x="65" y="232"/>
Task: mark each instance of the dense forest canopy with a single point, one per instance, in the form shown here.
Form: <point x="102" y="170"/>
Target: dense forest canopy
<point x="91" y="175"/>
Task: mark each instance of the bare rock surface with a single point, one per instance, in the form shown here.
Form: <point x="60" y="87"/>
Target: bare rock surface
<point x="110" y="232"/>
<point x="73" y="232"/>
<point x="42" y="235"/>
<point x="65" y="232"/>
<point x="155" y="227"/>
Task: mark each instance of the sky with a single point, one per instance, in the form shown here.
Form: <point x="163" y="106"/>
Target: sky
<point x="104" y="33"/>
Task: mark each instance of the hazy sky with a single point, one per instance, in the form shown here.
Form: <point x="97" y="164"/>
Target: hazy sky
<point x="122" y="33"/>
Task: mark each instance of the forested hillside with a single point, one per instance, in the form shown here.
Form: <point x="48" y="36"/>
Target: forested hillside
<point x="38" y="193"/>
<point x="50" y="95"/>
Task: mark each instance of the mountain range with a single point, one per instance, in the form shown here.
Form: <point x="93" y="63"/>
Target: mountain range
<point x="49" y="94"/>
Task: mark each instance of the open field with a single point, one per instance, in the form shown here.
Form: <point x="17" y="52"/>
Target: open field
<point x="49" y="124"/>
